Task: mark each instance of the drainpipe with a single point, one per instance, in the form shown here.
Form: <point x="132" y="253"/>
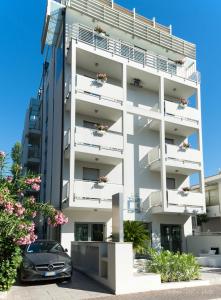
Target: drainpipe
<point x="62" y="118"/>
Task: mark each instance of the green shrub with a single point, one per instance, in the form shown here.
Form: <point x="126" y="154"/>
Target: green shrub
<point x="173" y="266"/>
<point x="10" y="260"/>
<point x="135" y="232"/>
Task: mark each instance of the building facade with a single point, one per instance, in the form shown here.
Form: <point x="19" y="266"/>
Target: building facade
<point x="121" y="98"/>
<point x="213" y="204"/>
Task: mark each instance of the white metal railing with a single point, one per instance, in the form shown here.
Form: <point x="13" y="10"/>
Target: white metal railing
<point x="92" y="190"/>
<point x="107" y="92"/>
<point x="184" y="199"/>
<point x="89" y="36"/>
<point x="176" y="153"/>
<point x="132" y="23"/>
<point x="155" y="199"/>
<point x="67" y="139"/>
<point x="182" y="113"/>
<point x="65" y="191"/>
<point x="97" y="139"/>
<point x="154" y="155"/>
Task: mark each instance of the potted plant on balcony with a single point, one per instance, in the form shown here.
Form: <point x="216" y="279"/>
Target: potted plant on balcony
<point x="102" y="180"/>
<point x="185" y="190"/>
<point x="101" y="128"/>
<point x="183" y="102"/>
<point x="179" y="62"/>
<point x="101" y="78"/>
<point x="185" y="146"/>
<point x="100" y="30"/>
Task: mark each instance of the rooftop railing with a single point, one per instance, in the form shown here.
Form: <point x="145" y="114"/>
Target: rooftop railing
<point x="131" y="53"/>
<point x="130" y="22"/>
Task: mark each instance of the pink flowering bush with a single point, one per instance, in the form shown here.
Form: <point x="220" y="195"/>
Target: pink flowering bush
<point x="17" y="214"/>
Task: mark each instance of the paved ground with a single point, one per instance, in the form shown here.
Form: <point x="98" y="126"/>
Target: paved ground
<point x="80" y="287"/>
<point x="212" y="292"/>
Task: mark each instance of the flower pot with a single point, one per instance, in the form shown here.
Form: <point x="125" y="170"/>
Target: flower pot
<point x="101" y="81"/>
<point x="101" y="184"/>
<point x="102" y="34"/>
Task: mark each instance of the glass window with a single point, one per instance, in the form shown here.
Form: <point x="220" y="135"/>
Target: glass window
<point x="81" y="232"/>
<point x="171" y="183"/>
<point x="89" y="124"/>
<point x="59" y="59"/>
<point x="169" y="141"/>
<point x="97" y="233"/>
<point x="90" y="174"/>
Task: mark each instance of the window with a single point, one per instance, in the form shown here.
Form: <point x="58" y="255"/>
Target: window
<point x="59" y="59"/>
<point x="171" y="183"/>
<point x="169" y="141"/>
<point x="89" y="124"/>
<point x="91" y="174"/>
<point x="89" y="232"/>
<point x="212" y="197"/>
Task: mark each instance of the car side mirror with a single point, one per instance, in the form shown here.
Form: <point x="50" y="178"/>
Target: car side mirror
<point x="65" y="250"/>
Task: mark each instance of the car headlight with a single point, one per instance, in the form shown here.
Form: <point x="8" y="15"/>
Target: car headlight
<point x="27" y="264"/>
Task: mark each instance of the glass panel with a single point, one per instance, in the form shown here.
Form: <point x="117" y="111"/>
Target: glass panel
<point x="172" y="68"/>
<point x="90" y="174"/>
<point x="101" y="42"/>
<point x="171" y="183"/>
<point x="169" y="141"/>
<point x="88" y="124"/>
<point x="85" y="36"/>
<point x="213" y="197"/>
<point x="81" y="232"/>
<point x="97" y="232"/>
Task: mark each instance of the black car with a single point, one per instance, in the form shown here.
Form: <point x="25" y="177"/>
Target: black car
<point x="44" y="260"/>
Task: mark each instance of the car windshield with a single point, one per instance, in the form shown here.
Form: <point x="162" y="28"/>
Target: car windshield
<point x="39" y="247"/>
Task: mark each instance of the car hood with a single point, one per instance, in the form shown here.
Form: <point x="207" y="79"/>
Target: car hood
<point x="47" y="258"/>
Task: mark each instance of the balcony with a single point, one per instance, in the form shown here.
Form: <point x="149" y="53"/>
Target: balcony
<point x="90" y="194"/>
<point x="186" y="118"/>
<point x="34" y="154"/>
<point x="91" y="144"/>
<point x="177" y="160"/>
<point x="88" y="89"/>
<point x="177" y="202"/>
<point x="131" y="53"/>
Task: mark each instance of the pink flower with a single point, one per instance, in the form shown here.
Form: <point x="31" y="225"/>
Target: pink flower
<point x="2" y="154"/>
<point x="34" y="214"/>
<point x="35" y="187"/>
<point x="9" y="179"/>
<point x="32" y="200"/>
<point x="9" y="207"/>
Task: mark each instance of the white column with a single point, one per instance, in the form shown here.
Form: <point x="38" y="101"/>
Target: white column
<point x="125" y="189"/>
<point x="162" y="145"/>
<point x="200" y="143"/>
<point x="72" y="121"/>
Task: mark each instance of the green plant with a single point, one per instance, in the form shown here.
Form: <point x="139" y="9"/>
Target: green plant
<point x="10" y="259"/>
<point x="18" y="211"/>
<point x="202" y="219"/>
<point x="135" y="232"/>
<point x="173" y="266"/>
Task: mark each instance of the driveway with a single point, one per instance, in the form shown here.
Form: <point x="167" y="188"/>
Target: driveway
<point x="80" y="287"/>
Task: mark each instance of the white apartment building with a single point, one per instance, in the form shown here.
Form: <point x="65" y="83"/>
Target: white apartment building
<point x="213" y="203"/>
<point x="127" y="133"/>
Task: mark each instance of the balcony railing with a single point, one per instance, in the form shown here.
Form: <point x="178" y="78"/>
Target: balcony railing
<point x="178" y="198"/>
<point x="173" y="153"/>
<point x="94" y="191"/>
<point x="34" y="152"/>
<point x="131" y="53"/>
<point x="107" y="92"/>
<point x="134" y="24"/>
<point x="175" y="110"/>
<point x="102" y="140"/>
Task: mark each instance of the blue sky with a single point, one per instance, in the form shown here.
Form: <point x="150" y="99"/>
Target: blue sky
<point x="198" y="21"/>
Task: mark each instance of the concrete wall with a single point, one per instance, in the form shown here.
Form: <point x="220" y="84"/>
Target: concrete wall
<point x="203" y="243"/>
